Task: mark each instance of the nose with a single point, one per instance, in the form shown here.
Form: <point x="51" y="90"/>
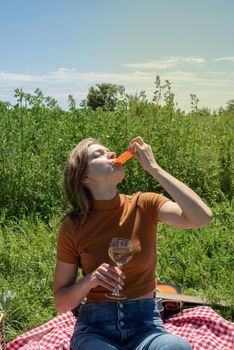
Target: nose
<point x="111" y="155"/>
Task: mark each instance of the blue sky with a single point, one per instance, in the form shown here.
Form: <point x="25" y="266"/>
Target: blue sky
<point x="65" y="46"/>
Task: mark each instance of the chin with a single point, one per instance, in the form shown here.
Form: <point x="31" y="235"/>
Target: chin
<point x="121" y="177"/>
<point x="119" y="174"/>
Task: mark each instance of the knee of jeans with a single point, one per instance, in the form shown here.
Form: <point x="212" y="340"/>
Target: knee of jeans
<point x="92" y="342"/>
<point x="183" y="345"/>
<point x="177" y="344"/>
<point x="77" y="335"/>
<point x="83" y="343"/>
<point x="172" y="342"/>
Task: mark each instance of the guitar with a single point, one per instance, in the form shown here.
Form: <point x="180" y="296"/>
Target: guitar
<point x="171" y="301"/>
<point x="167" y="306"/>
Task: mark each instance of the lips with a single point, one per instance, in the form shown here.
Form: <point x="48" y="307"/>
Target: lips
<point x="117" y="165"/>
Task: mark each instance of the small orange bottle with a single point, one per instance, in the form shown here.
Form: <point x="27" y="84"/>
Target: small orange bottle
<point x="123" y="158"/>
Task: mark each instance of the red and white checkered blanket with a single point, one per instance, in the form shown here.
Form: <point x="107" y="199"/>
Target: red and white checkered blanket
<point x="201" y="326"/>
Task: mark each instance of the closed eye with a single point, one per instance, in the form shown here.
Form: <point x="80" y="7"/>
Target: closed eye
<point x="100" y="152"/>
<point x="97" y="154"/>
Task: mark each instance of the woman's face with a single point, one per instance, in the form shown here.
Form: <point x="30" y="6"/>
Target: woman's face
<point x="101" y="166"/>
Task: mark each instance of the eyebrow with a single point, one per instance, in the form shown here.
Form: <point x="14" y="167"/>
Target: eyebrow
<point x="99" y="150"/>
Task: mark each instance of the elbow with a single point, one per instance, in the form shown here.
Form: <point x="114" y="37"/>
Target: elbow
<point x="205" y="220"/>
<point x="59" y="304"/>
<point x="60" y="307"/>
<point x="209" y="216"/>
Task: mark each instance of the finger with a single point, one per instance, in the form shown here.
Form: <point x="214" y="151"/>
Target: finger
<point x="136" y="143"/>
<point x="109" y="283"/>
<point x="109" y="287"/>
<point x="135" y="148"/>
<point x="112" y="275"/>
<point x="115" y="274"/>
<point x="114" y="269"/>
<point x="120" y="272"/>
<point x="137" y="139"/>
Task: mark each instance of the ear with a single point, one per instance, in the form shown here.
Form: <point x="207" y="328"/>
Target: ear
<point x="85" y="180"/>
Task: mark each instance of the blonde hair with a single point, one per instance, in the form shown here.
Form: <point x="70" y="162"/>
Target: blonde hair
<point x="74" y="172"/>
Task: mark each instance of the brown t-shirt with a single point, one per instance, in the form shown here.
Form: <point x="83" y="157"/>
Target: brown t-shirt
<point x="126" y="216"/>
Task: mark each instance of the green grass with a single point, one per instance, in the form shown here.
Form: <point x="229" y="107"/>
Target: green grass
<point x="27" y="265"/>
<point x="200" y="261"/>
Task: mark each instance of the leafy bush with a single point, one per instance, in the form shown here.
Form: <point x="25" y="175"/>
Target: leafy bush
<point x="36" y="141"/>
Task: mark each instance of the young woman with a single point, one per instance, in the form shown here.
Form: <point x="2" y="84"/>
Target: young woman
<point x="101" y="213"/>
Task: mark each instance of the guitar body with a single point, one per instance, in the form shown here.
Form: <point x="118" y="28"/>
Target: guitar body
<point x="167" y="288"/>
<point x="168" y="307"/>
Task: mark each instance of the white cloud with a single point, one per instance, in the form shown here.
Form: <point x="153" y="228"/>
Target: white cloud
<point x="200" y="78"/>
<point x="224" y="59"/>
<point x="20" y="77"/>
<point x="214" y="86"/>
<point x="167" y="63"/>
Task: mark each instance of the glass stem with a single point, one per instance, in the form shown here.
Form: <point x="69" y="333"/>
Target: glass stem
<point x="117" y="289"/>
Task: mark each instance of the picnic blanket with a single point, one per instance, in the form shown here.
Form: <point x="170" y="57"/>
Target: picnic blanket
<point x="201" y="326"/>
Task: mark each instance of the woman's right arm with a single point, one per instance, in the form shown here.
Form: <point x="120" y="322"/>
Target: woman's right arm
<point x="69" y="292"/>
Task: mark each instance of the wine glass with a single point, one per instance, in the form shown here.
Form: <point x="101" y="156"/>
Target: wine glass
<point x="120" y="251"/>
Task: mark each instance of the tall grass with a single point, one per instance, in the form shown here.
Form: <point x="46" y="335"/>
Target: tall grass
<point x="36" y="136"/>
<point x="27" y="249"/>
<point x="35" y="143"/>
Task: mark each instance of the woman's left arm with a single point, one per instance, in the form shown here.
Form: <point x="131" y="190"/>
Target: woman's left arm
<point x="188" y="210"/>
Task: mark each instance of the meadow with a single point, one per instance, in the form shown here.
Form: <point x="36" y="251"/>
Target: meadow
<point x="36" y="136"/>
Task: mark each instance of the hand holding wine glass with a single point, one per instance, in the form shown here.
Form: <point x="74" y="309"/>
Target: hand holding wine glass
<point x="120" y="251"/>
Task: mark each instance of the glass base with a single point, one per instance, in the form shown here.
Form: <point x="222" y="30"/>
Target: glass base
<point x="116" y="296"/>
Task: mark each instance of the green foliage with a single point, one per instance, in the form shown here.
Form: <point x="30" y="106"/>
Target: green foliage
<point x="5" y="300"/>
<point x="104" y="96"/>
<point x="200" y="260"/>
<point x="230" y="106"/>
<point x="36" y="137"/>
<point x="197" y="149"/>
<point x="27" y="261"/>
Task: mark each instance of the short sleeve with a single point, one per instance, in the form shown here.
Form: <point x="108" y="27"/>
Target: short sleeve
<point x="152" y="202"/>
<point x="66" y="248"/>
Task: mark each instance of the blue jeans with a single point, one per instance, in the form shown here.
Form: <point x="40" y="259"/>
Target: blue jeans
<point x="123" y="325"/>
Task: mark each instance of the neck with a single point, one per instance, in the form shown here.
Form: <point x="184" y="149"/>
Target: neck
<point x="108" y="194"/>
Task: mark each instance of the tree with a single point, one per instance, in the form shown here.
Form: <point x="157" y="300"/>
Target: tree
<point x="104" y="96"/>
<point x="71" y="103"/>
<point x="230" y="106"/>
